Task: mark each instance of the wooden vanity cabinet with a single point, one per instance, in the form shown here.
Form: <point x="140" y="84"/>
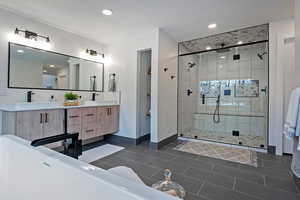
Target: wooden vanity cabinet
<point x="74" y="120"/>
<point x="108" y="120"/>
<point x="53" y="122"/>
<point x="29" y="125"/>
<point x="32" y="125"/>
<point x="93" y="122"/>
<point x="89" y="122"/>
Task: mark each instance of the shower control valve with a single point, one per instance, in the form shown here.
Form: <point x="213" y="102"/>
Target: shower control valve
<point x="189" y="92"/>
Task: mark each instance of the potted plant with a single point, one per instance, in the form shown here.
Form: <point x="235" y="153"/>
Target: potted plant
<point x="71" y="99"/>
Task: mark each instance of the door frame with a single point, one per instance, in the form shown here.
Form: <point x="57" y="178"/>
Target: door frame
<point x="139" y="81"/>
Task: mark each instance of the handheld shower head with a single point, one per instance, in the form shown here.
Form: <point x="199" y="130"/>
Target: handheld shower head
<point x="261" y="55"/>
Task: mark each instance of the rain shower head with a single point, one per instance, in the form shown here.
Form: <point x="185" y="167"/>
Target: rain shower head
<point x="261" y="55"/>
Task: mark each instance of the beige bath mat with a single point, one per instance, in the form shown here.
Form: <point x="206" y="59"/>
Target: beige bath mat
<point x="234" y="154"/>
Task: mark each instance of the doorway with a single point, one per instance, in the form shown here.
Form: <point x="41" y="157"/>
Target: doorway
<point x="144" y="58"/>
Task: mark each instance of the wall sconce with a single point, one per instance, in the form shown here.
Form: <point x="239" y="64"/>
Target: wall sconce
<point x="30" y="38"/>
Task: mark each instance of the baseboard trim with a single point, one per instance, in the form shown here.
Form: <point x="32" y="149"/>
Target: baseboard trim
<point x="164" y="142"/>
<point x="116" y="139"/>
<point x="143" y="138"/>
<point x="272" y="149"/>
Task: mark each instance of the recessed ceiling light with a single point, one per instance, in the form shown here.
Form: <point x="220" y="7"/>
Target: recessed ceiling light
<point x="240" y="42"/>
<point x="45" y="71"/>
<point x="51" y="65"/>
<point x="211" y="26"/>
<point x="208" y="48"/>
<point x="107" y="12"/>
<point x="20" y="51"/>
<point x="223" y="57"/>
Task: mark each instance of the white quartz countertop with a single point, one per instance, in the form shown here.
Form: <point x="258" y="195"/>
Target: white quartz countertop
<point x="18" y="107"/>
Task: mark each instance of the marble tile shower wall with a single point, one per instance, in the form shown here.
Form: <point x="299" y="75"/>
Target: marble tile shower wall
<point x="221" y="66"/>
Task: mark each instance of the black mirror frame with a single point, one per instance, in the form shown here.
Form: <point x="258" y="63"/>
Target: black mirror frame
<point x="8" y="70"/>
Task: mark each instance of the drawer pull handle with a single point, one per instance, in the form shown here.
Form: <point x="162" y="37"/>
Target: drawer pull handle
<point x="74" y="116"/>
<point x="87" y="131"/>
<point x="41" y="118"/>
<point x="46" y="117"/>
<point x="89" y="115"/>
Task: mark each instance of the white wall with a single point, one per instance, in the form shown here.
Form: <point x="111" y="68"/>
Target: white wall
<point x="278" y="31"/>
<point x="124" y="64"/>
<point x="297" y="33"/>
<point x="164" y="89"/>
<point x="62" y="41"/>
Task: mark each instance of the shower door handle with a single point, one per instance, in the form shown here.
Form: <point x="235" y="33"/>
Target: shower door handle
<point x="189" y="92"/>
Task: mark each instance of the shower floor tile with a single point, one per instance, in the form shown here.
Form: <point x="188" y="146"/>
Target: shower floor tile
<point x="243" y="140"/>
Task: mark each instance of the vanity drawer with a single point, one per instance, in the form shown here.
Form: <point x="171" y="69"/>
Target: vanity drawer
<point x="89" y="115"/>
<point x="74" y="117"/>
<point x="88" y="132"/>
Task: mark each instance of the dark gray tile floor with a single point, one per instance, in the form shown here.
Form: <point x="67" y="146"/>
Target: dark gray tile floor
<point x="207" y="178"/>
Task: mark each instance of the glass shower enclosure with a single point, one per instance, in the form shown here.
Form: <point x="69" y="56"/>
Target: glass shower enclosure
<point x="223" y="88"/>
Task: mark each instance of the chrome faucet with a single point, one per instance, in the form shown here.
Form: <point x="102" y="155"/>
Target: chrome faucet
<point x="29" y="96"/>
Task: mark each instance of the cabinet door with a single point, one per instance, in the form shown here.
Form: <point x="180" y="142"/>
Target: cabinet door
<point x="74" y="120"/>
<point x="53" y="122"/>
<point x="113" y="119"/>
<point x="102" y="114"/>
<point x="107" y="120"/>
<point x="30" y="125"/>
<point x="89" y="123"/>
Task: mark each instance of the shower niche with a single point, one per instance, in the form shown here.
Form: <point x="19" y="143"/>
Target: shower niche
<point x="229" y="103"/>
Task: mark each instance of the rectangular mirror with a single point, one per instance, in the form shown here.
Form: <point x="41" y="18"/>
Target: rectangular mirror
<point x="31" y="68"/>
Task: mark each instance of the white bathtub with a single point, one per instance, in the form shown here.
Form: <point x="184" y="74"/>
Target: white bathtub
<point x="30" y="173"/>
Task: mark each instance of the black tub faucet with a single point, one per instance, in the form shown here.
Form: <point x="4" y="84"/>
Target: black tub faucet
<point x="29" y="96"/>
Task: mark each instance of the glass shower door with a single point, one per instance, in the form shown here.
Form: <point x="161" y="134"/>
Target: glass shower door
<point x="223" y="95"/>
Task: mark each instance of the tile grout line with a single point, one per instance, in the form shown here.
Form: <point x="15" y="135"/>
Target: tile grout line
<point x="234" y="183"/>
<point x="202" y="185"/>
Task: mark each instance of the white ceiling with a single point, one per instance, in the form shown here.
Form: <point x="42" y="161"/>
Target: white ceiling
<point x="183" y="19"/>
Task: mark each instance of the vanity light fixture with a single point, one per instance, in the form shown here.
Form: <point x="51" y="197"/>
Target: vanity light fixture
<point x="31" y="35"/>
<point x="29" y="38"/>
<point x="92" y="55"/>
<point x="212" y="26"/>
<point x="91" y="52"/>
<point x="107" y="12"/>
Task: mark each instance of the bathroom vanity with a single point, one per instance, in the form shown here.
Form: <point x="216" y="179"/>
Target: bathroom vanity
<point x="33" y="121"/>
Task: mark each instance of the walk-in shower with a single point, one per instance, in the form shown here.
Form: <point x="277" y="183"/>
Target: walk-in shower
<point x="223" y="92"/>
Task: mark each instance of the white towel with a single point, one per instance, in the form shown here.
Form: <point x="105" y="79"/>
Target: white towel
<point x="290" y="124"/>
